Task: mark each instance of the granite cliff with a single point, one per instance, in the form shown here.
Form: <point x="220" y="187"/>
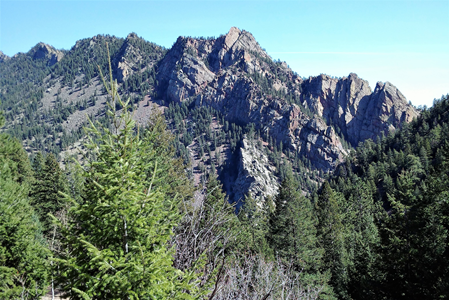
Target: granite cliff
<point x="311" y="123"/>
<point x="351" y="105"/>
<point x="311" y="117"/>
<point x="46" y="52"/>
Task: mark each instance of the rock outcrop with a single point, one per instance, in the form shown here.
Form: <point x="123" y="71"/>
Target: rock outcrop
<point x="234" y="75"/>
<point x="129" y="58"/>
<point x="47" y="52"/>
<point x="349" y="104"/>
<point x="3" y="57"/>
<point x="255" y="174"/>
<point x="321" y="145"/>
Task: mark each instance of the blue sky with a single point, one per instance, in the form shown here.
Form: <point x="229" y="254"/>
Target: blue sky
<point x="401" y="41"/>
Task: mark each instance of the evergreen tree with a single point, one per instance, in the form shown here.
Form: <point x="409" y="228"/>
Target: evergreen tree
<point x="254" y="223"/>
<point x="216" y="205"/>
<point x="116" y="238"/>
<point x="23" y="255"/>
<point x="362" y="240"/>
<point x="13" y="151"/>
<point x="171" y="179"/>
<point x="49" y="183"/>
<point x="414" y="261"/>
<point x="331" y="238"/>
<point x="292" y="233"/>
<point x="38" y="165"/>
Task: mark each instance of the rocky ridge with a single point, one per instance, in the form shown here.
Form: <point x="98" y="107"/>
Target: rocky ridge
<point x="307" y="118"/>
<point x="229" y="74"/>
<point x="133" y="57"/>
<point x="255" y="174"/>
<point x="47" y="52"/>
<point x="3" y="57"/>
<point x="349" y="104"/>
<point x="310" y="117"/>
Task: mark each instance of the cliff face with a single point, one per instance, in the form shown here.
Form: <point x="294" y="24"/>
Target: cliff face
<point x="350" y="104"/>
<point x="235" y="76"/>
<point x="308" y="118"/>
<point x="133" y="57"/>
<point x="46" y="52"/>
<point x="255" y="174"/>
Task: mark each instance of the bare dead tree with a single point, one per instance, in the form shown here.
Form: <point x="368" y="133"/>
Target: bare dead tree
<point x="252" y="277"/>
<point x="55" y="243"/>
<point x="203" y="237"/>
<point x="205" y="233"/>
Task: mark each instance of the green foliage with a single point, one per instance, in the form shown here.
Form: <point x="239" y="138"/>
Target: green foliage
<point x="292" y="233"/>
<point x="292" y="236"/>
<point x="360" y="219"/>
<point x="49" y="183"/>
<point x="2" y="119"/>
<point x="171" y="179"/>
<point x="215" y="204"/>
<point x="400" y="251"/>
<point x="254" y="224"/>
<point x="116" y="238"/>
<point x="12" y="150"/>
<point x="23" y="255"/>
<point x="332" y="239"/>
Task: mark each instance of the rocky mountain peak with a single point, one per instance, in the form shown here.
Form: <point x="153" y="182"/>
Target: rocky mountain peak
<point x="44" y="51"/>
<point x="231" y="37"/>
<point x="236" y="45"/>
<point x="235" y="76"/>
<point x="134" y="55"/>
<point x="392" y="104"/>
<point x="132" y="35"/>
<point x="349" y="103"/>
<point x="3" y="57"/>
<point x="126" y="60"/>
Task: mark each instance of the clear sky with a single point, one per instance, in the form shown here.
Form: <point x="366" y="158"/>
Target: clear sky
<point x="401" y="41"/>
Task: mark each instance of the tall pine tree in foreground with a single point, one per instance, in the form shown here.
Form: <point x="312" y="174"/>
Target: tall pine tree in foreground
<point x="254" y="224"/>
<point x="116" y="239"/>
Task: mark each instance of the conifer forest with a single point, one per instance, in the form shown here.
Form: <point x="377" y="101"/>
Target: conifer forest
<point x="132" y="171"/>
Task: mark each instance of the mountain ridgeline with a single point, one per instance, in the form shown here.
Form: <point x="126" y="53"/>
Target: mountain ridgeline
<point x="218" y="95"/>
<point x="224" y="175"/>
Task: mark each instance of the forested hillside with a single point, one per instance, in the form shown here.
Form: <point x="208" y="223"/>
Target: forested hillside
<point x="210" y="171"/>
<point x="391" y="198"/>
<point x="217" y="94"/>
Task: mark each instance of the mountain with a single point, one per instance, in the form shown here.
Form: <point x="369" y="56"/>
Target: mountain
<point x="47" y="53"/>
<point x="3" y="57"/>
<point x="231" y="106"/>
<point x="393" y="200"/>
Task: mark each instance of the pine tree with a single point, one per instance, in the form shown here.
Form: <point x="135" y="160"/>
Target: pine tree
<point x="254" y="223"/>
<point x="414" y="236"/>
<point x="38" y="165"/>
<point x="216" y="206"/>
<point x="292" y="233"/>
<point x="49" y="183"/>
<point x="23" y="255"/>
<point x="171" y="179"/>
<point x="331" y="238"/>
<point x="362" y="240"/>
<point x="116" y="240"/>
